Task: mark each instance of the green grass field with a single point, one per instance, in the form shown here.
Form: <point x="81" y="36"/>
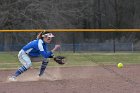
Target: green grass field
<point x="9" y="60"/>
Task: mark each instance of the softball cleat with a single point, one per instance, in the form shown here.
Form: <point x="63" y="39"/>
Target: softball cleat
<point x="12" y="78"/>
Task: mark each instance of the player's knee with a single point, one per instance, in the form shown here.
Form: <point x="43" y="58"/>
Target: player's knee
<point x="28" y="65"/>
<point x="45" y="60"/>
<point x="44" y="64"/>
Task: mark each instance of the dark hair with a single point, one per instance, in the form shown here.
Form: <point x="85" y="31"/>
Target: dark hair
<point x="39" y="36"/>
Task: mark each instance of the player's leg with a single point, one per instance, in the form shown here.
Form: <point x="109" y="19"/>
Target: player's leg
<point x="43" y="66"/>
<point x="25" y="60"/>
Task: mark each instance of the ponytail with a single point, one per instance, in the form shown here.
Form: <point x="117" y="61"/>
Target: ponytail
<point x="39" y="36"/>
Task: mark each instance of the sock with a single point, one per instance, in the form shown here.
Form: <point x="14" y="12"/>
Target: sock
<point x="43" y="67"/>
<point x="20" y="71"/>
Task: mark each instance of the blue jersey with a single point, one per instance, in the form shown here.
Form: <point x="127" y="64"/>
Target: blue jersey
<point x="36" y="48"/>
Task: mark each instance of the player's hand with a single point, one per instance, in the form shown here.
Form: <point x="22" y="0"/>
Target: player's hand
<point x="56" y="47"/>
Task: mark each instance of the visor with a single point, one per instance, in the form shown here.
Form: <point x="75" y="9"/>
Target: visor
<point x="48" y="35"/>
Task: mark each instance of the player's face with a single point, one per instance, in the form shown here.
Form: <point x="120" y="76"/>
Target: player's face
<point x="48" y="39"/>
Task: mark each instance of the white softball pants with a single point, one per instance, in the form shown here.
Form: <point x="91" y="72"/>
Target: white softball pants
<point x="27" y="61"/>
<point x="24" y="59"/>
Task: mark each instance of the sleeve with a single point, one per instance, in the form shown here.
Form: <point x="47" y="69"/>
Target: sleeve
<point x="46" y="54"/>
<point x="42" y="51"/>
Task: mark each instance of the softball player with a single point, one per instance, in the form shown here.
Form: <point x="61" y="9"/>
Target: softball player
<point x="32" y="51"/>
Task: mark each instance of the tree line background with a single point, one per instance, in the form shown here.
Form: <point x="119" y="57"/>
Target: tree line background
<point x="57" y="14"/>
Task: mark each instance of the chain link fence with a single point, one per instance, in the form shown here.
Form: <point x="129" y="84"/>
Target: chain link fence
<point x="87" y="47"/>
<point x="76" y="41"/>
<point x="99" y="47"/>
